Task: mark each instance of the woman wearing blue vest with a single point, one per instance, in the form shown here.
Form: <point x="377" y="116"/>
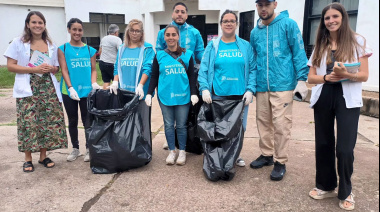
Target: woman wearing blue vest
<point x="173" y="72"/>
<point x="78" y="64"/>
<point x="228" y="68"/>
<point x="134" y="65"/>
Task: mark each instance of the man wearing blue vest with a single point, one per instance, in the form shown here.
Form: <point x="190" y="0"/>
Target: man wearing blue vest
<point x="281" y="73"/>
<point x="190" y="37"/>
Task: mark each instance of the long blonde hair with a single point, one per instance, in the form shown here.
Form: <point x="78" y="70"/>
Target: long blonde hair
<point x="127" y="38"/>
<point x="348" y="47"/>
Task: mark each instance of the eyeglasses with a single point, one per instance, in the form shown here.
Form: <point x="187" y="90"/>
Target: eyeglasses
<point x="135" y="31"/>
<point x="229" y="21"/>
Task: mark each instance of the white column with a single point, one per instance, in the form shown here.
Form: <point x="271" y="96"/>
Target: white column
<point x="149" y="28"/>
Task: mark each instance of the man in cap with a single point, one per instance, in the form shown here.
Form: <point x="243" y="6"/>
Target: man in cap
<point x="282" y="73"/>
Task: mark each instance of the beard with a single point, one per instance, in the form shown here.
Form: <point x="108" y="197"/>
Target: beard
<point x="179" y="23"/>
<point x="266" y="18"/>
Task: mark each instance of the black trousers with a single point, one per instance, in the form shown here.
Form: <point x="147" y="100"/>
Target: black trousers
<point x="330" y="106"/>
<point x="71" y="107"/>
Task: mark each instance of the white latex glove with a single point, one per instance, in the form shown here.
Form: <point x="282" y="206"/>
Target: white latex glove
<point x="95" y="86"/>
<point x="301" y="90"/>
<point x="194" y="99"/>
<point x="74" y="94"/>
<point x="140" y="91"/>
<point x="148" y="100"/>
<point x="114" y="86"/>
<point x="248" y="96"/>
<point x="206" y="96"/>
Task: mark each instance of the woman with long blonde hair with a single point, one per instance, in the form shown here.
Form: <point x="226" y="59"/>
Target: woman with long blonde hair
<point x="134" y="61"/>
<point x="337" y="96"/>
<point x="133" y="67"/>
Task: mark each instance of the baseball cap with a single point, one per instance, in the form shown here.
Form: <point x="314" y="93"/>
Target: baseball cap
<point x="257" y="1"/>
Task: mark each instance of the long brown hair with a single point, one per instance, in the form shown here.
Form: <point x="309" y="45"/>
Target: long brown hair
<point x="347" y="46"/>
<point x="27" y="35"/>
<point x="127" y="38"/>
<point x="180" y="50"/>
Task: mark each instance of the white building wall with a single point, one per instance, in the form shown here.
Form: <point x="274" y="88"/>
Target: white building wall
<point x="368" y="26"/>
<point x="82" y="9"/>
<point x="44" y="3"/>
<point x="12" y="18"/>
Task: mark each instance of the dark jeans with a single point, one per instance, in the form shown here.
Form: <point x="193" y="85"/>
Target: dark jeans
<point x="330" y="106"/>
<point x="71" y="107"/>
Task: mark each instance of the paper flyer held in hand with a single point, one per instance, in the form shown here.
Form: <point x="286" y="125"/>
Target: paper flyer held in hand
<point x="38" y="58"/>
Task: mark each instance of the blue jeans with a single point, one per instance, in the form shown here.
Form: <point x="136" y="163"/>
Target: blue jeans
<point x="245" y="115"/>
<point x="175" y="116"/>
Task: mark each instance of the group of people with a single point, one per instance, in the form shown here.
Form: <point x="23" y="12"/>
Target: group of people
<point x="273" y="67"/>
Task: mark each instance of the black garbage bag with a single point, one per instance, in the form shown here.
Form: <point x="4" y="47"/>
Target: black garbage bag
<point x="119" y="136"/>
<point x="193" y="144"/>
<point x="220" y="128"/>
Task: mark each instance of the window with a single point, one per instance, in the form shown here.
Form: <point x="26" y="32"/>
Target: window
<point x="107" y="18"/>
<point x="247" y="23"/>
<point x="313" y="11"/>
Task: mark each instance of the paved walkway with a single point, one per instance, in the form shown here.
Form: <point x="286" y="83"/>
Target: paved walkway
<point x="157" y="187"/>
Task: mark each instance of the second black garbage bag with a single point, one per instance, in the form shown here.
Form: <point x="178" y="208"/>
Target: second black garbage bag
<point x="119" y="134"/>
<point x="220" y="128"/>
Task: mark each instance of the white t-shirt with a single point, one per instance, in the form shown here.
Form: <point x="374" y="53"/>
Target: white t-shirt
<point x="109" y="45"/>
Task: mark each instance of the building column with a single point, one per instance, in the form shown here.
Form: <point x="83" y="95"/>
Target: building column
<point x="149" y="28"/>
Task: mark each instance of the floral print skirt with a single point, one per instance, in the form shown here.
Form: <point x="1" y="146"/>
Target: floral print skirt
<point x="40" y="118"/>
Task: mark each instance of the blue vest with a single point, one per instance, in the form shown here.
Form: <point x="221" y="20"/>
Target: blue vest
<point x="173" y="82"/>
<point x="78" y="61"/>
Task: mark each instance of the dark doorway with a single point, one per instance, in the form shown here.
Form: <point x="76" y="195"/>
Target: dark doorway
<point x="199" y="22"/>
<point x="247" y="23"/>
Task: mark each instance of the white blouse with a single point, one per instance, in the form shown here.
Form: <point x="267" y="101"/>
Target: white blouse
<point x="352" y="91"/>
<point x="20" y="51"/>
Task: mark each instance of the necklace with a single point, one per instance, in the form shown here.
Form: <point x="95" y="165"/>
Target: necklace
<point x="76" y="52"/>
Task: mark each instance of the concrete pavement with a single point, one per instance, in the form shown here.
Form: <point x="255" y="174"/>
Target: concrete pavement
<point x="157" y="187"/>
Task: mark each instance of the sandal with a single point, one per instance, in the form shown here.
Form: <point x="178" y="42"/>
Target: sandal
<point x="351" y="201"/>
<point x="28" y="164"/>
<point x="322" y="194"/>
<point x="46" y="162"/>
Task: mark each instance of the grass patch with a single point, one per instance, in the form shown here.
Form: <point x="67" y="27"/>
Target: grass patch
<point x="12" y="124"/>
<point x="7" y="79"/>
<point x="2" y="95"/>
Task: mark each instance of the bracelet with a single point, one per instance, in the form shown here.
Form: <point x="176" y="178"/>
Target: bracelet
<point x="324" y="77"/>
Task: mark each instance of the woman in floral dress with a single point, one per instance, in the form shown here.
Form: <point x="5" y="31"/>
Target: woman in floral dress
<point x="40" y="119"/>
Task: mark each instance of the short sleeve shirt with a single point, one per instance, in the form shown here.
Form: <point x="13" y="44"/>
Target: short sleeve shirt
<point x="109" y="45"/>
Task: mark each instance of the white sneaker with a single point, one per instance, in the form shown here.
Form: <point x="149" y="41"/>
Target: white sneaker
<point x="165" y="146"/>
<point x="87" y="157"/>
<point x="170" y="160"/>
<point x="240" y="162"/>
<point x="181" y="161"/>
<point x="73" y="155"/>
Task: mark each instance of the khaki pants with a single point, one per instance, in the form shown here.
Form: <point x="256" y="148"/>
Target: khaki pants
<point x="274" y="123"/>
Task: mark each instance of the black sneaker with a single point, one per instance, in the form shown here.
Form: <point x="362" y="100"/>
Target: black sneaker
<point x="278" y="172"/>
<point x="262" y="161"/>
